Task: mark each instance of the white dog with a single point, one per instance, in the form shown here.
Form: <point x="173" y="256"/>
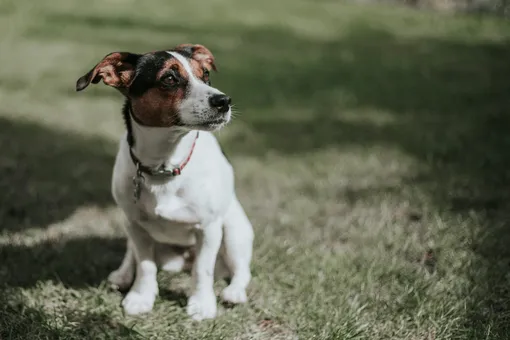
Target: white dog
<point x="172" y="180"/>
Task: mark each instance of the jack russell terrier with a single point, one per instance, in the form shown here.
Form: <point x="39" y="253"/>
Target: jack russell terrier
<point x="172" y="180"/>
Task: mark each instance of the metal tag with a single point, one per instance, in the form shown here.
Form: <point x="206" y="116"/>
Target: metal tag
<point x="137" y="183"/>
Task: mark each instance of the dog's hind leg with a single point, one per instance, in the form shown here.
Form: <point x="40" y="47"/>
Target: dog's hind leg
<point x="123" y="277"/>
<point x="238" y="245"/>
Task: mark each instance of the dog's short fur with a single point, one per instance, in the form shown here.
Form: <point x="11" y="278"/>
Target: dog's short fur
<point x="192" y="216"/>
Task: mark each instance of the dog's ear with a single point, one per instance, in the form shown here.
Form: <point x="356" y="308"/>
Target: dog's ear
<point x="200" y="53"/>
<point x="117" y="69"/>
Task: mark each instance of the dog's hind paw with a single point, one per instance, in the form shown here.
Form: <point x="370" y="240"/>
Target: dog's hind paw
<point x="135" y="303"/>
<point x="202" y="306"/>
<point x="234" y="294"/>
<point x="120" y="280"/>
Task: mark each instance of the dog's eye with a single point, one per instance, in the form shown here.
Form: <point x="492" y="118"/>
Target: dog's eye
<point x="206" y="77"/>
<point x="169" y="80"/>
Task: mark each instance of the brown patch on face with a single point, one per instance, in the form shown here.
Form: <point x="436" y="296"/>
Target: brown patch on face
<point x="176" y="66"/>
<point x="158" y="106"/>
<point x="198" y="70"/>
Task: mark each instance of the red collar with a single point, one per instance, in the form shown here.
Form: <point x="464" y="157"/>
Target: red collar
<point x="161" y="171"/>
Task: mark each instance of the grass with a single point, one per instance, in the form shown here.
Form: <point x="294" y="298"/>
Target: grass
<point x="371" y="155"/>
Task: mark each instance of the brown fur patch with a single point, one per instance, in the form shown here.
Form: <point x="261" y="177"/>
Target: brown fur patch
<point x="159" y="106"/>
<point x="114" y="70"/>
<point x="201" y="54"/>
<point x="198" y="70"/>
<point x="173" y="64"/>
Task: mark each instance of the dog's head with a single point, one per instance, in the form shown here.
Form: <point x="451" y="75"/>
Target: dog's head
<point x="166" y="88"/>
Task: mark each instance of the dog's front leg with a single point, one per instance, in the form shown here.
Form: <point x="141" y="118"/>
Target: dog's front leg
<point x="202" y="302"/>
<point x="142" y="294"/>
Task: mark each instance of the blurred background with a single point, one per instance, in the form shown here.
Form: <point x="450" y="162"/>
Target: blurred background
<point x="372" y="155"/>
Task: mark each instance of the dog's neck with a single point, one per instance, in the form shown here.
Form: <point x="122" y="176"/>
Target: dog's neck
<point x="156" y="146"/>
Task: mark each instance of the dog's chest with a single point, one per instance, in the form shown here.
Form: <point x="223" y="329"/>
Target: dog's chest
<point x="169" y="214"/>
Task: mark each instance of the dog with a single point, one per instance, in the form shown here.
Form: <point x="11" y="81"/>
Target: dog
<point x="172" y="180"/>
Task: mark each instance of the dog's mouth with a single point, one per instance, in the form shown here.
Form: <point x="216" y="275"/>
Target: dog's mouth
<point x="210" y="125"/>
<point x="216" y="123"/>
<point x="220" y="121"/>
<point x="207" y="121"/>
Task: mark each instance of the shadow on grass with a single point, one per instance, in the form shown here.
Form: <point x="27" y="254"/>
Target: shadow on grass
<point x="46" y="175"/>
<point x="77" y="263"/>
<point x="19" y="322"/>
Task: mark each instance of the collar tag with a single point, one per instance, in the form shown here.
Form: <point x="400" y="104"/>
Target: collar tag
<point x="138" y="180"/>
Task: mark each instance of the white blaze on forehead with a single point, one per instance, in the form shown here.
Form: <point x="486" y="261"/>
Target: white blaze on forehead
<point x="185" y="63"/>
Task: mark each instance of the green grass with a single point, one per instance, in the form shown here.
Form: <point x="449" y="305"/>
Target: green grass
<point x="368" y="136"/>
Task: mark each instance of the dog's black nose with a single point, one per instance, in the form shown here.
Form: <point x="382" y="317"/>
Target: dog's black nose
<point x="220" y="102"/>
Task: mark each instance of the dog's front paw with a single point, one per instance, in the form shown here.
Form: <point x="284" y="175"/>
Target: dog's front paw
<point x="135" y="303"/>
<point x="120" y="279"/>
<point x="234" y="294"/>
<point x="202" y="306"/>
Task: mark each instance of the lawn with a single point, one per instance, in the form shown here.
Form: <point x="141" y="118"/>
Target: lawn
<point x="372" y="156"/>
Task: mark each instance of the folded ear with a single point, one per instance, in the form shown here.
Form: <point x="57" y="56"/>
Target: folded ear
<point x="117" y="69"/>
<point x="200" y="53"/>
